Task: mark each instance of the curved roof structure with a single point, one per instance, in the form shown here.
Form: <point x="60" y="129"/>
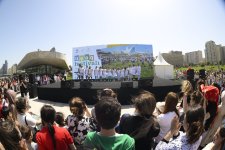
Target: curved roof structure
<point x="37" y="58"/>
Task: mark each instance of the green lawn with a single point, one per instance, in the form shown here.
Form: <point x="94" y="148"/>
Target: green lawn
<point x="207" y="67"/>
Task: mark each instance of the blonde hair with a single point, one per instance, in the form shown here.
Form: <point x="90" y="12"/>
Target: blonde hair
<point x="186" y="87"/>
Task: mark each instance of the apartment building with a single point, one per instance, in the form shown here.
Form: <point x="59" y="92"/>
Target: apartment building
<point x="214" y="53"/>
<point x="194" y="57"/>
<point x="174" y="58"/>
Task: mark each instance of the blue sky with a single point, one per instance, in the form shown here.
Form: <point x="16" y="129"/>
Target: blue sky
<point x="185" y="25"/>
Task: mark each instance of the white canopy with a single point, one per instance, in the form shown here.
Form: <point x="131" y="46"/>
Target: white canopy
<point x="163" y="69"/>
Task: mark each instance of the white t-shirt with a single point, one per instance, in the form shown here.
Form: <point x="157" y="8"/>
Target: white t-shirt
<point x="138" y="70"/>
<point x="164" y="121"/>
<point x="222" y="96"/>
<point x="96" y="72"/>
<point x="31" y="122"/>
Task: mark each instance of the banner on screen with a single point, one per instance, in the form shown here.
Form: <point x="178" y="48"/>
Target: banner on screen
<point x="112" y="59"/>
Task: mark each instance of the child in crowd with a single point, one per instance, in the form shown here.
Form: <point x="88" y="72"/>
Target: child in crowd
<point x="60" y="119"/>
<point x="52" y="137"/>
<point x="79" y="122"/>
<point x="28" y="136"/>
<point x="108" y="114"/>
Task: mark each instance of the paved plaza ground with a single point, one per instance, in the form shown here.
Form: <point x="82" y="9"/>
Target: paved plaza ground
<point x="36" y="105"/>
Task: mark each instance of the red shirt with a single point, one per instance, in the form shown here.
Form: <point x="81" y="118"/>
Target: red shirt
<point x="62" y="137"/>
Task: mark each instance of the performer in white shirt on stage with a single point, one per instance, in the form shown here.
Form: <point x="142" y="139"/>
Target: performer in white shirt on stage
<point x="139" y="71"/>
<point x="86" y="72"/>
<point x="109" y="74"/>
<point x="122" y="74"/>
<point x="96" y="70"/>
<point x="80" y="72"/>
<point x="100" y="72"/>
<point x="90" y="71"/>
<point x="131" y="73"/>
<point x="118" y="74"/>
<point x="114" y="74"/>
<point x="126" y="73"/>
<point x="103" y="73"/>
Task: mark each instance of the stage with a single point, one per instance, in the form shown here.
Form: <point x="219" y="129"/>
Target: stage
<point x="89" y="90"/>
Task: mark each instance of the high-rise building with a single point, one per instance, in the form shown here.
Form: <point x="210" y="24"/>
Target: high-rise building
<point x="13" y="69"/>
<point x="223" y="54"/>
<point x="194" y="57"/>
<point x="174" y="58"/>
<point x="213" y="53"/>
<point x="4" y="68"/>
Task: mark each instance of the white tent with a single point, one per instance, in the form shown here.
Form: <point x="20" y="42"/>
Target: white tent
<point x="163" y="69"/>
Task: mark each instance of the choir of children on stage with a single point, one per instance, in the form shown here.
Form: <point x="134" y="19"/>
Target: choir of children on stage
<point x="100" y="73"/>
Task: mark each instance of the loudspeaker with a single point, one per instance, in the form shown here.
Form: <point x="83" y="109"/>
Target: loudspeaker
<point x="144" y="83"/>
<point x="190" y="74"/>
<point x="127" y="84"/>
<point x="67" y="84"/>
<point x="33" y="91"/>
<point x="202" y="73"/>
<point x="31" y="78"/>
<point x="85" y="84"/>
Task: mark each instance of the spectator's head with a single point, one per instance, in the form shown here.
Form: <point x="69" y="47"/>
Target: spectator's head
<point x="107" y="113"/>
<point x="6" y="114"/>
<point x="145" y="103"/>
<point x="48" y="114"/>
<point x="196" y="98"/>
<point x="193" y="123"/>
<point x="22" y="105"/>
<point x="10" y="136"/>
<point x="26" y="133"/>
<point x="60" y="120"/>
<point x="108" y="93"/>
<point x="199" y="83"/>
<point x="217" y="85"/>
<point x="219" y="137"/>
<point x="186" y="87"/>
<point x="77" y="106"/>
<point x="171" y="101"/>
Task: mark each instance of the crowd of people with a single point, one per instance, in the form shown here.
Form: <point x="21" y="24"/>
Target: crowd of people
<point x="189" y="120"/>
<point x="20" y="83"/>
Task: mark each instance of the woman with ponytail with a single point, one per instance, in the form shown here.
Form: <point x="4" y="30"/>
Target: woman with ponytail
<point x="52" y="137"/>
<point x="191" y="139"/>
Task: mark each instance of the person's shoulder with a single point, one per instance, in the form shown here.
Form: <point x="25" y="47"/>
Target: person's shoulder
<point x="127" y="140"/>
<point x="70" y="117"/>
<point x="91" y="134"/>
<point x="126" y="137"/>
<point x="126" y="115"/>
